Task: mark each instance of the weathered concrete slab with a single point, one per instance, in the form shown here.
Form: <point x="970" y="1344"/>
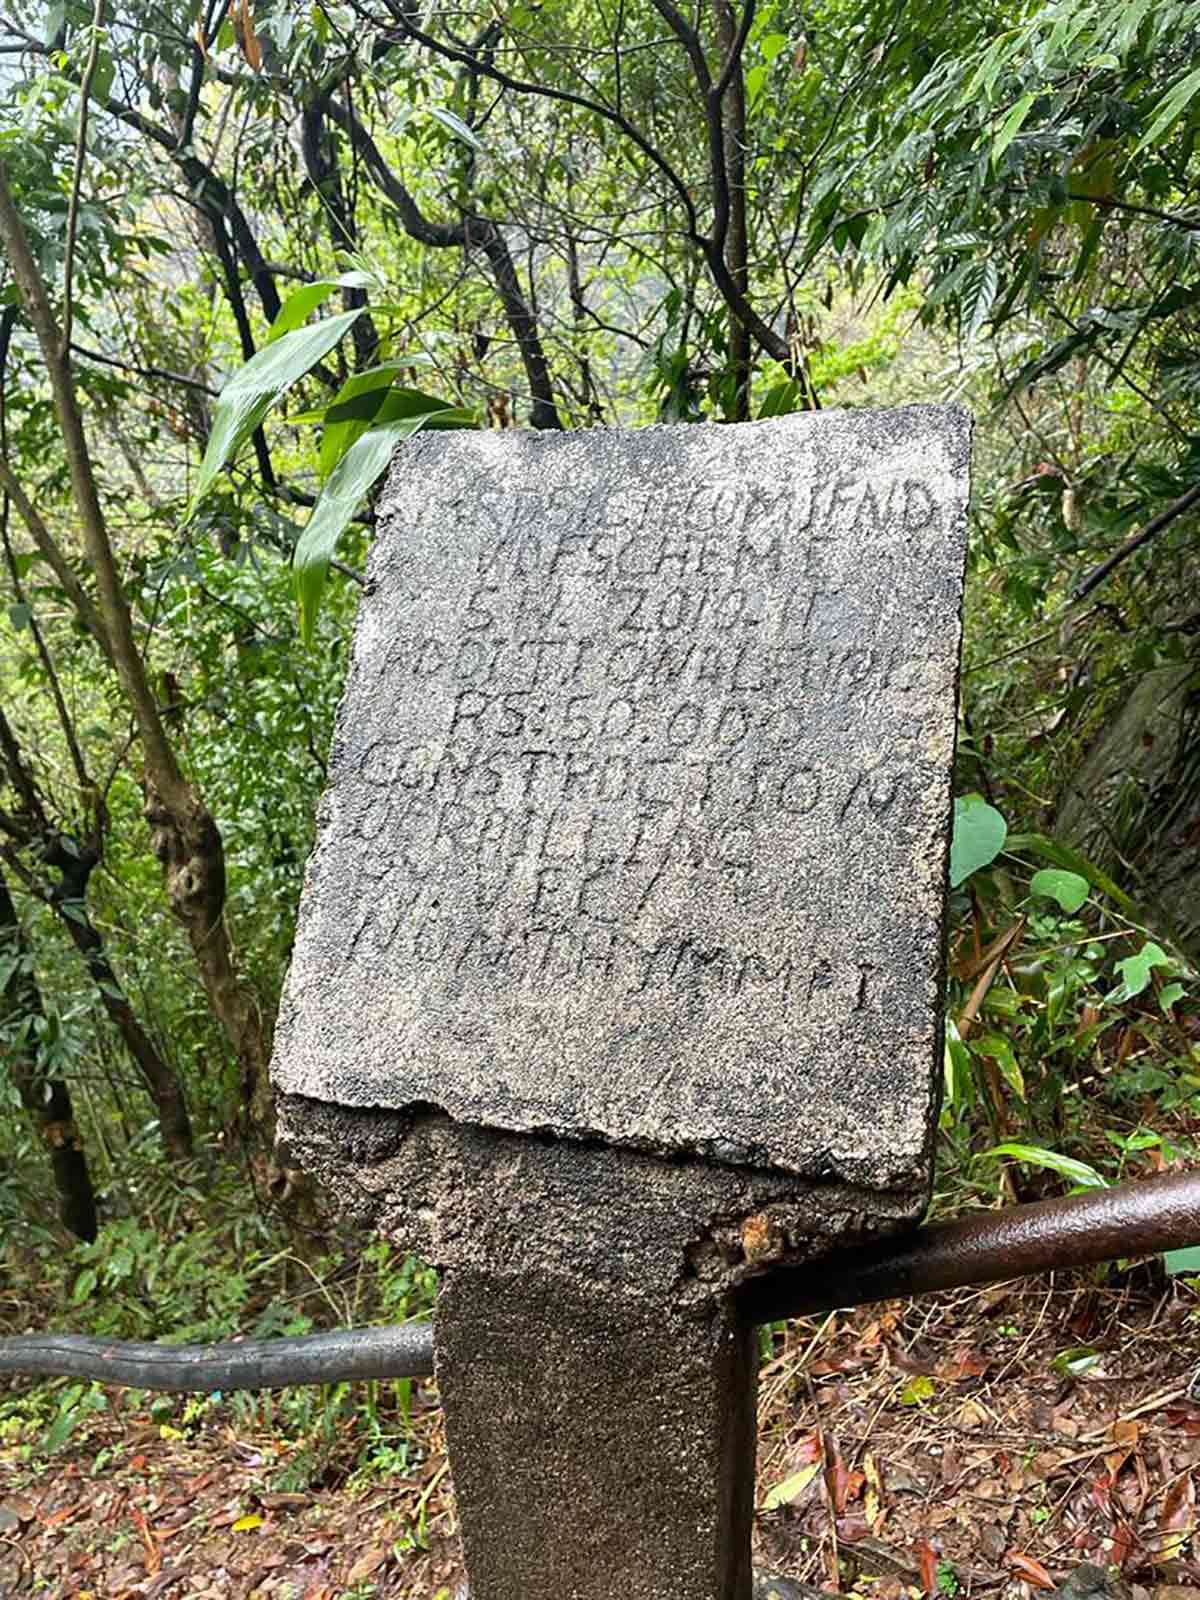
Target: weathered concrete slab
<point x="640" y="794"/>
<point x="599" y="1419"/>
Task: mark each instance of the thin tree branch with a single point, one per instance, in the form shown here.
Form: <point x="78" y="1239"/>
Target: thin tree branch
<point x="57" y="562"/>
<point x="85" y="89"/>
<point x="86" y="786"/>
<point x="161" y="373"/>
<point x="1164" y="519"/>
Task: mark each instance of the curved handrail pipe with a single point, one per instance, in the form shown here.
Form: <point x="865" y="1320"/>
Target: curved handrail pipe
<point x="402" y="1351"/>
<point x="1132" y="1219"/>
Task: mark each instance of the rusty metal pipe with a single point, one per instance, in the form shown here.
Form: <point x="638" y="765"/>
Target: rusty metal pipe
<point x="404" y="1350"/>
<point x="1132" y="1219"/>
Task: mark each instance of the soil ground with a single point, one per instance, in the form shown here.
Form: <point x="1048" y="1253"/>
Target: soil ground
<point x="978" y="1442"/>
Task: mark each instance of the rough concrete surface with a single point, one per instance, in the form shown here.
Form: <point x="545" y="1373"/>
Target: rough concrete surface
<point x="601" y="1433"/>
<point x="640" y="794"/>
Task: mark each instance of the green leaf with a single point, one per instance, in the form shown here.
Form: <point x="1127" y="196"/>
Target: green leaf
<point x="998" y="1049"/>
<point x="1011" y="126"/>
<point x="458" y="128"/>
<point x="85" y="1283"/>
<point x="56" y="17"/>
<point x="1171" y="106"/>
<point x="1070" y="889"/>
<point x="260" y="384"/>
<point x="1078" y="1172"/>
<point x="1186" y="1260"/>
<point x="780" y="399"/>
<point x="986" y="284"/>
<point x="298" y="307"/>
<point x="772" y="44"/>
<point x="20" y="615"/>
<point x="1075" y="1362"/>
<point x="979" y="835"/>
<point x="364" y="399"/>
<point x="917" y="1390"/>
<point x="349" y="481"/>
<point x="1062" y="855"/>
<point x="956" y="1067"/>
<point x="1171" y="995"/>
<point x="61" y="1429"/>
<point x="755" y="79"/>
<point x="1135" y="969"/>
<point x="791" y="1488"/>
<point x="102" y="78"/>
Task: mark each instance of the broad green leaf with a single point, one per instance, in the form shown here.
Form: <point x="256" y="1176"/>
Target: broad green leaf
<point x="755" y="79"/>
<point x="457" y="127"/>
<point x="349" y="481"/>
<point x="1135" y="969"/>
<point x="260" y="384"/>
<point x="772" y="44"/>
<point x="956" y="1067"/>
<point x="1073" y="1363"/>
<point x="85" y="1283"/>
<point x="350" y="413"/>
<point x="988" y="69"/>
<point x="363" y="400"/>
<point x="1070" y="889"/>
<point x="102" y="78"/>
<point x="1186" y="1260"/>
<point x="780" y="399"/>
<point x="979" y="835"/>
<point x="1171" y="995"/>
<point x="1062" y="855"/>
<point x="1011" y="126"/>
<point x="298" y="307"/>
<point x="1172" y="105"/>
<point x="997" y="1048"/>
<point x="791" y="1488"/>
<point x="1077" y="1172"/>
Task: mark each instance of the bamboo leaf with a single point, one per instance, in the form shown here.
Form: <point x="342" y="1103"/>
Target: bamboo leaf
<point x="260" y="384"/>
<point x="349" y="481"/>
<point x="1011" y="126"/>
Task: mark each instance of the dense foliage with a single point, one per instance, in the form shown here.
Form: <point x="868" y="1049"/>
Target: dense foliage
<point x="355" y="219"/>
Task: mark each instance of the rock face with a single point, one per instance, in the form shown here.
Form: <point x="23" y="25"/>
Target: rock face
<point x="1133" y="806"/>
<point x="639" y="799"/>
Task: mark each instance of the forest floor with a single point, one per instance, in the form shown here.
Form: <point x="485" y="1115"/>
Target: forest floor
<point x="976" y="1442"/>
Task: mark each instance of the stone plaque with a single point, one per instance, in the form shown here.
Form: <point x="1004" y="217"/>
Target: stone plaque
<point x="640" y="793"/>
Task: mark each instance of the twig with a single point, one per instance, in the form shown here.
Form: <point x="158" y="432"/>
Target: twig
<point x="144" y="372"/>
<point x="85" y="89"/>
<point x="1135" y="541"/>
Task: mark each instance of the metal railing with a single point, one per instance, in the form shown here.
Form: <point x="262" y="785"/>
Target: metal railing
<point x="1133" y="1219"/>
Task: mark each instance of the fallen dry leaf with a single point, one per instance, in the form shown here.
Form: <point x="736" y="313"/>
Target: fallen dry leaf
<point x="1032" y="1571"/>
<point x="1177" y="1521"/>
<point x="370" y="1561"/>
<point x="927" y="1566"/>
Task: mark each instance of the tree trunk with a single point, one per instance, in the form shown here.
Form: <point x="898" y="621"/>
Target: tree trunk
<point x="47" y="1100"/>
<point x="184" y="835"/>
<point x="69" y="900"/>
